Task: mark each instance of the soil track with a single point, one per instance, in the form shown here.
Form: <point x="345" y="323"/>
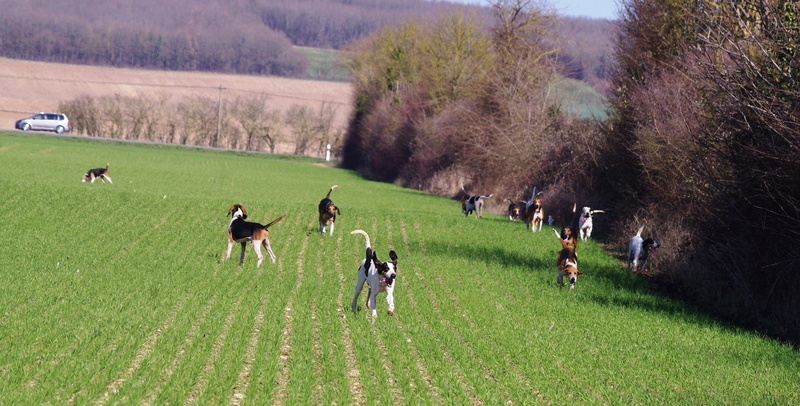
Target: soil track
<point x="29" y="87"/>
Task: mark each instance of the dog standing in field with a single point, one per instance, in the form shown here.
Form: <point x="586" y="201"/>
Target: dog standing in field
<point x="328" y="212"/>
<point x="97" y="173"/>
<point x="585" y="223"/>
<point x="473" y="203"/>
<point x="515" y="210"/>
<point x="639" y="251"/>
<point x="534" y="211"/>
<point x="567" y="263"/>
<point x="243" y="231"/>
<point x="380" y="277"/>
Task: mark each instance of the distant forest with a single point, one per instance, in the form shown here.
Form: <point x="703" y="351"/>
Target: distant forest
<point x="246" y="37"/>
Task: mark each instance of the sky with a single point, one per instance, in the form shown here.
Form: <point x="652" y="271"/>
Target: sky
<point x="574" y="8"/>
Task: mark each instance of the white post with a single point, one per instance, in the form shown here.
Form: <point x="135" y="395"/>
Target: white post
<point x="328" y="153"/>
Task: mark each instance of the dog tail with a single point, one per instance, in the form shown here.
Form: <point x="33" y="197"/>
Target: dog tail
<point x="275" y="221"/>
<point x="328" y="196"/>
<point x="563" y="243"/>
<point x="364" y="233"/>
<point x="639" y="233"/>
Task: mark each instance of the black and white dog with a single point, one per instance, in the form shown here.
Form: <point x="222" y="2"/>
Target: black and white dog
<point x="243" y="231"/>
<point x="380" y="277"/>
<point x="473" y="203"/>
<point x="97" y="173"/>
<point x="639" y="251"/>
<point x="585" y="223"/>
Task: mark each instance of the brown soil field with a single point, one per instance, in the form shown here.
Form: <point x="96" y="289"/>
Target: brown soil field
<point x="28" y="87"/>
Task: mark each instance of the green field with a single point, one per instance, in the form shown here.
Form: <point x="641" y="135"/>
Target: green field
<point x="118" y="294"/>
<point x="324" y="64"/>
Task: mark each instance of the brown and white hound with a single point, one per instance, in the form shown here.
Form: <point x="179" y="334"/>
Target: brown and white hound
<point x="534" y="211"/>
<point x="327" y="212"/>
<point x="243" y="231"/>
<point x="567" y="263"/>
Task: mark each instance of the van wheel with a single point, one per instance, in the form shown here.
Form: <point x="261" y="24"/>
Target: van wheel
<point x="59" y="130"/>
<point x="26" y="127"/>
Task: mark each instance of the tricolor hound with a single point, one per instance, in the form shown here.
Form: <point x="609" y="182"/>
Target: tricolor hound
<point x="515" y="210"/>
<point x="639" y="251"/>
<point x="97" y="173"/>
<point x="567" y="263"/>
<point x="378" y="275"/>
<point x="473" y="203"/>
<point x="327" y="212"/>
<point x="243" y="231"/>
<point x="585" y="222"/>
<point x="534" y="211"/>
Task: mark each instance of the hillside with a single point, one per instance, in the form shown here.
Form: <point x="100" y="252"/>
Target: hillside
<point x="30" y="87"/>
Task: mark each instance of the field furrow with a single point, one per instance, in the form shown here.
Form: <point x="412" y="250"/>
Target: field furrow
<point x="202" y="381"/>
<point x="285" y="356"/>
<point x="457" y="332"/>
<point x="180" y="354"/>
<point x="353" y="374"/>
<point x="447" y="362"/>
<point x="141" y="354"/>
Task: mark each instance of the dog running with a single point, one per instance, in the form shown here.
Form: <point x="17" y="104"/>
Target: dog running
<point x="639" y="251"/>
<point x="567" y="263"/>
<point x="515" y="210"/>
<point x="328" y="212"/>
<point x="585" y="223"/>
<point x="97" y="173"/>
<point x="534" y="211"/>
<point x="380" y="276"/>
<point x="243" y="231"/>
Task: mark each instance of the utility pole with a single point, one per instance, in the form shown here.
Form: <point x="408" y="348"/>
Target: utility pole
<point x="219" y="116"/>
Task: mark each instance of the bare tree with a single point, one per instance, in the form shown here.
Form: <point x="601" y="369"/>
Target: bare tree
<point x="303" y="125"/>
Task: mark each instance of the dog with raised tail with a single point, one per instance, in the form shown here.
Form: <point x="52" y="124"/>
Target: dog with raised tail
<point x="473" y="203"/>
<point x="380" y="276"/>
<point x="243" y="231"/>
<point x="639" y="251"/>
<point x="567" y="263"/>
<point x="585" y="223"/>
<point x="534" y="211"/>
<point x="97" y="173"/>
<point x="328" y="212"/>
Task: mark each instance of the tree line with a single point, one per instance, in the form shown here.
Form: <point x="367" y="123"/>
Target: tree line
<point x="700" y="146"/>
<point x="255" y="37"/>
<point x="246" y="123"/>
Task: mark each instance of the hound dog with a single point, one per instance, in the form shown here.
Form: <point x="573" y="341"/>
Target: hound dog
<point x="534" y="211"/>
<point x="568" y="236"/>
<point x="243" y="231"/>
<point x="97" y="173"/>
<point x="639" y="251"/>
<point x="473" y="203"/>
<point x="515" y="210"/>
<point x="380" y="277"/>
<point x="567" y="264"/>
<point x="328" y="212"/>
<point x="585" y="223"/>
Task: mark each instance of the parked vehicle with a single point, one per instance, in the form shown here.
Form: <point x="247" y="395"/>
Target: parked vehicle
<point x="44" y="122"/>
